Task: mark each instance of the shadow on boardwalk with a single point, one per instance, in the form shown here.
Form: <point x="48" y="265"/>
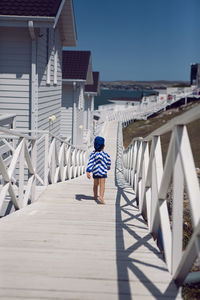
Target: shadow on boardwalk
<point x="128" y="220"/>
<point x="81" y="197"/>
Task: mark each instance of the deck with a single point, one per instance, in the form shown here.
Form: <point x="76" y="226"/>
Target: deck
<point x="67" y="246"/>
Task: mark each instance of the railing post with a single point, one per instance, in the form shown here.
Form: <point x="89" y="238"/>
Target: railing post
<point x="145" y="158"/>
<point x="177" y="213"/>
<point x="157" y="172"/>
<point x="137" y="167"/>
<point x="46" y="159"/>
<point x="34" y="162"/>
<point x="133" y="164"/>
<point x="21" y="175"/>
<point x="53" y="161"/>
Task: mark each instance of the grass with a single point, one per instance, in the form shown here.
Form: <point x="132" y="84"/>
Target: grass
<point x="143" y="128"/>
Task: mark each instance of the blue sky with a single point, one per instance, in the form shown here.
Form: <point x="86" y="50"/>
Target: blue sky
<point x="140" y="39"/>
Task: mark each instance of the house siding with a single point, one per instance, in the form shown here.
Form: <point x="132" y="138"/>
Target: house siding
<point x="87" y="112"/>
<point x="49" y="95"/>
<point x="15" y="67"/>
<point x="80" y="116"/>
<point x="67" y="110"/>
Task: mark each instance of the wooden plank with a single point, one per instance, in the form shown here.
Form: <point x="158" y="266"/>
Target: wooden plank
<point x="67" y="246"/>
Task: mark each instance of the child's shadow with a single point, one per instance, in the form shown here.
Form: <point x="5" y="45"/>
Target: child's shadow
<point x="81" y="197"/>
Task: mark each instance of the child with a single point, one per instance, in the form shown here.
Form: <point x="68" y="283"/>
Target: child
<point x="99" y="163"/>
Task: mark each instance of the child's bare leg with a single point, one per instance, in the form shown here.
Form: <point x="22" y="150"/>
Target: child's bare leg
<point x="102" y="189"/>
<point x="95" y="188"/>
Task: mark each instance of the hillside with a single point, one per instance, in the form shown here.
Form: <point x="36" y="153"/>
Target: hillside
<point x="141" y="85"/>
<point x="143" y="128"/>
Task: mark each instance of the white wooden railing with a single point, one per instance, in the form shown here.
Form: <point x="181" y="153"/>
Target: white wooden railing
<point x="142" y="111"/>
<point x="8" y="120"/>
<point x="27" y="162"/>
<point x="151" y="180"/>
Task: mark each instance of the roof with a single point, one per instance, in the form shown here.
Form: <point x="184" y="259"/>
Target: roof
<point x="93" y="88"/>
<point x="42" y="8"/>
<point x="76" y="65"/>
<point x="53" y="12"/>
<point x="126" y="99"/>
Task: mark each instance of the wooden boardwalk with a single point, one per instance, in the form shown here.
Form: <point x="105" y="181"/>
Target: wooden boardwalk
<point x="67" y="246"/>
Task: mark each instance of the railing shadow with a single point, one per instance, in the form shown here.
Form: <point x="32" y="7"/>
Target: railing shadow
<point x="126" y="264"/>
<point x="131" y="269"/>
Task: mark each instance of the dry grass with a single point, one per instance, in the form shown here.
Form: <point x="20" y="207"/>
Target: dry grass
<point x="143" y="128"/>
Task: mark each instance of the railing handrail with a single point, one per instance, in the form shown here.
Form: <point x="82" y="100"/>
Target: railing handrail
<point x="144" y="110"/>
<point x="7" y="116"/>
<point x="18" y="134"/>
<point x="13" y="132"/>
<point x="27" y="161"/>
<point x="189" y="116"/>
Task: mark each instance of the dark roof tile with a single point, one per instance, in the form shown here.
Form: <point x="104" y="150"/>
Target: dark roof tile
<point x="40" y="8"/>
<point x="75" y="64"/>
<point x="93" y="87"/>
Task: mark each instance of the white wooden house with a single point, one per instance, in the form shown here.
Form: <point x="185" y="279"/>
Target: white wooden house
<point x="32" y="34"/>
<point x="91" y="90"/>
<point x="77" y="72"/>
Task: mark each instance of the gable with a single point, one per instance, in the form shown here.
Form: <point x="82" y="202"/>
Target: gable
<point x="50" y="12"/>
<point x="77" y="65"/>
<point x="93" y="88"/>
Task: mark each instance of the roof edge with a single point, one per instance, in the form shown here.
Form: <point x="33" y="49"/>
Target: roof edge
<point x="24" y="18"/>
<point x="68" y="6"/>
<point x="59" y="12"/>
<point x="91" y="93"/>
<point x="73" y="80"/>
<point x="89" y="76"/>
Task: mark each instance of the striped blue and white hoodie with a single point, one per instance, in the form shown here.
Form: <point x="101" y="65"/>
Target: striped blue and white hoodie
<point x="99" y="163"/>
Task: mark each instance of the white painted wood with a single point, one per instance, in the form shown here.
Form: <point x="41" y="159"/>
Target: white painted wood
<point x="55" y="80"/>
<point x="33" y="170"/>
<point x="143" y="175"/>
<point x="27" y="194"/>
<point x="189" y="172"/>
<point x="49" y="96"/>
<point x="3" y="194"/>
<point x="67" y="110"/>
<point x="179" y="164"/>
<point x="157" y="171"/>
<point x="4" y="171"/>
<point x="21" y="174"/>
<point x="15" y="157"/>
<point x="177" y="215"/>
<point x="168" y="169"/>
<point x="25" y="153"/>
<point x="187" y="117"/>
<point x="15" y="63"/>
<point x="69" y="234"/>
<point x="188" y="258"/>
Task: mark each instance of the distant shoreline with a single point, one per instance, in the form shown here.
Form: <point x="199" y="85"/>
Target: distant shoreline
<point x="141" y="85"/>
<point x="106" y="94"/>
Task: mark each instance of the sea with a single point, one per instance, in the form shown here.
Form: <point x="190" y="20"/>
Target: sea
<point x="106" y="94"/>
